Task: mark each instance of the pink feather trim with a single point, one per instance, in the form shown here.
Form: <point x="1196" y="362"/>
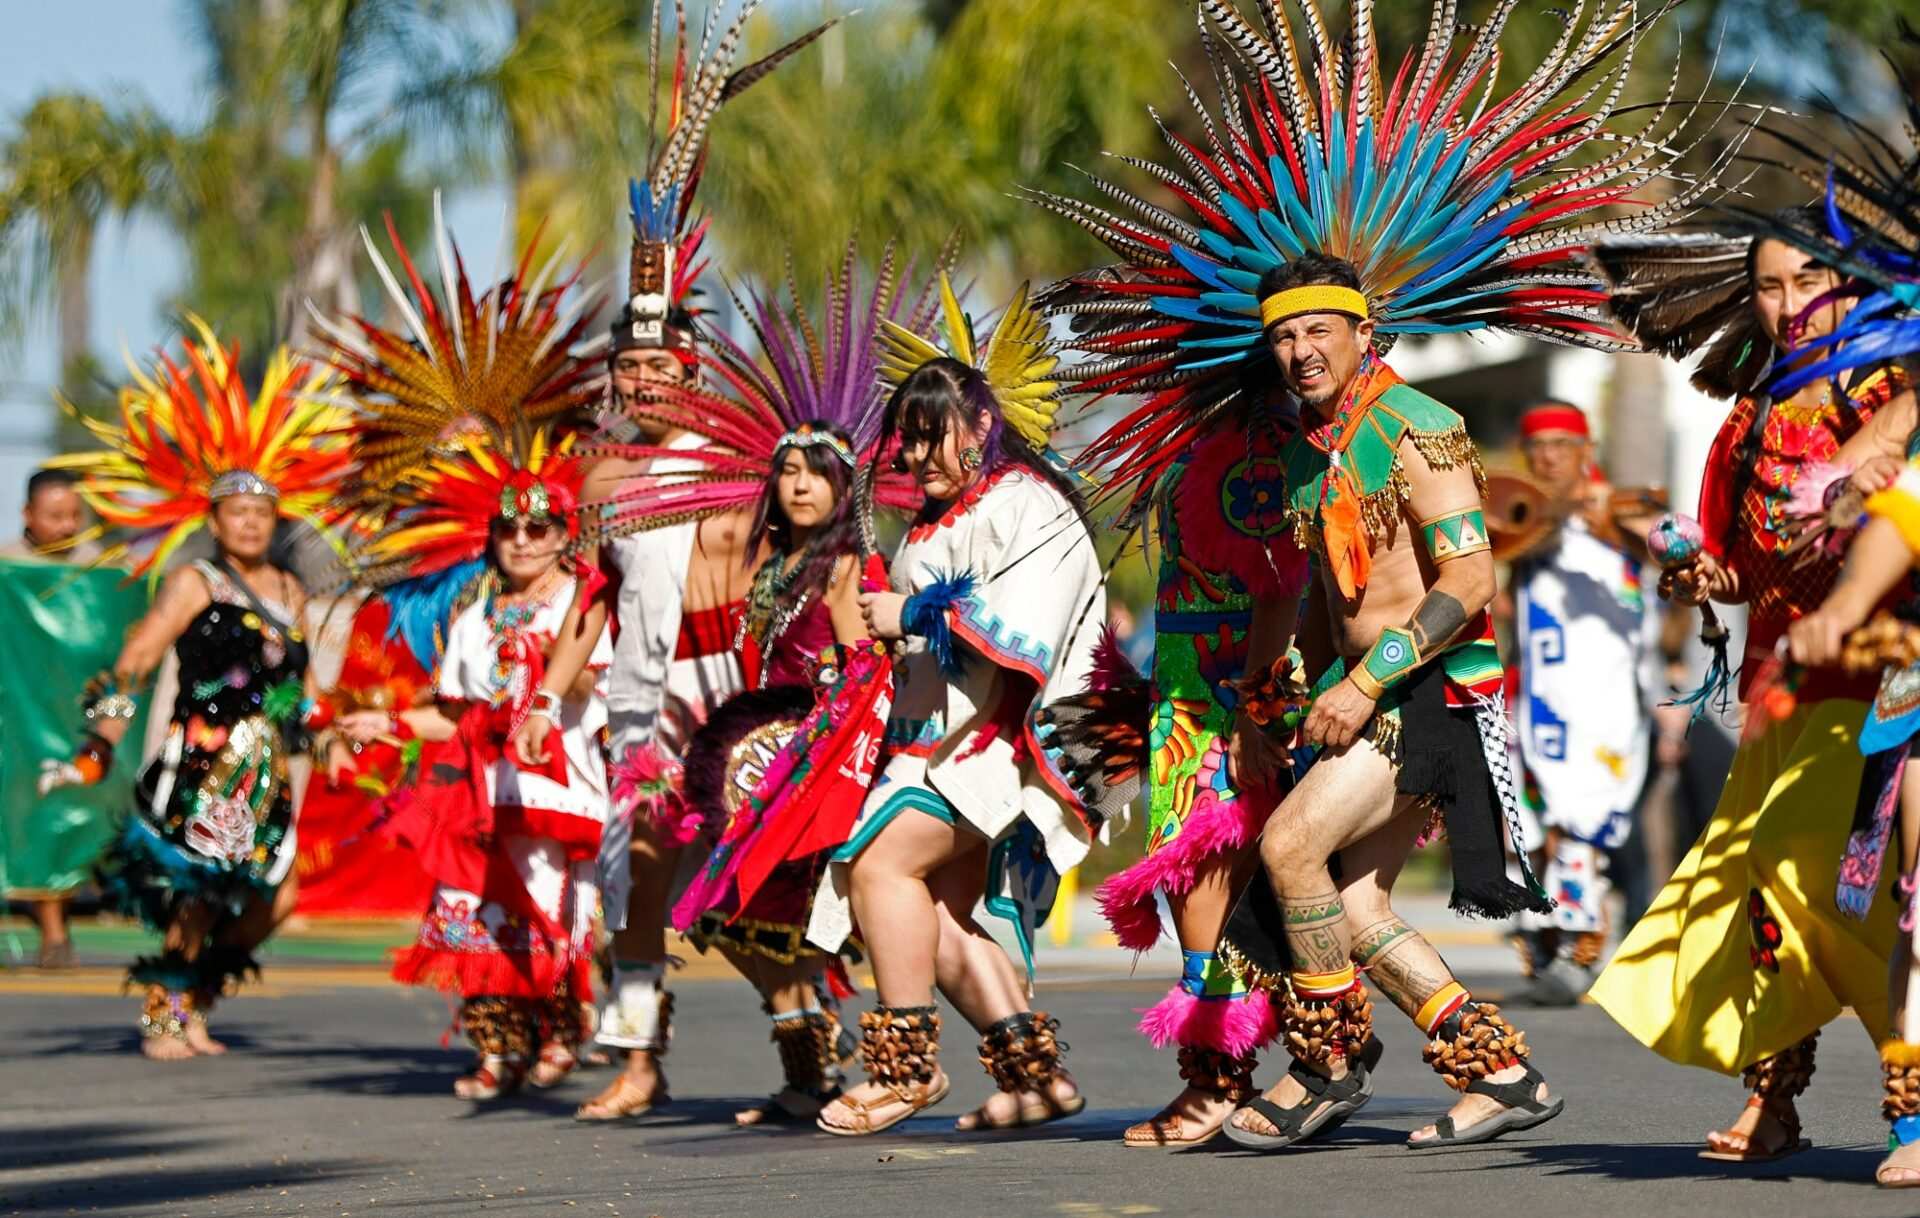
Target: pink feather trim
<point x="1229" y="1025"/>
<point x="1213" y="827"/>
<point x="646" y="786"/>
<point x="1809" y="494"/>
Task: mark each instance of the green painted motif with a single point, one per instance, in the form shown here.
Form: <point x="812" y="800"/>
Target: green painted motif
<point x="1392" y="657"/>
<point x="1463" y="532"/>
<point x="1372" y="457"/>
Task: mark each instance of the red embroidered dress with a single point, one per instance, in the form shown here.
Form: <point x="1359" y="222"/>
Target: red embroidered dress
<point x="1779" y="586"/>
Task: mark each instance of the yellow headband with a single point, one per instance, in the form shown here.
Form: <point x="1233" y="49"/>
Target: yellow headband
<point x="1318" y="298"/>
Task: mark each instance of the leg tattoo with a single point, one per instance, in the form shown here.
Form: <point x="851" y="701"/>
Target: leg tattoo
<point x="1402" y="964"/>
<point x="1316" y="933"/>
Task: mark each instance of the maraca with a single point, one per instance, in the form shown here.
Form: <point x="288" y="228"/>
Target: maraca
<point x="1674" y="541"/>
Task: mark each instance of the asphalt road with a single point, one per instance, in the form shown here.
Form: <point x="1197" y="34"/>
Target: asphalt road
<point x="335" y="1101"/>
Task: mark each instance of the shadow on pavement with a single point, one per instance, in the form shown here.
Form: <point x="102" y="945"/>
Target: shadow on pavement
<point x="106" y="1191"/>
<point x="1665" y="1161"/>
<point x="65" y="1145"/>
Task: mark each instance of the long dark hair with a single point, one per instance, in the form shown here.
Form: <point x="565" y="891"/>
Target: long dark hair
<point x="834" y="538"/>
<point x="943" y="395"/>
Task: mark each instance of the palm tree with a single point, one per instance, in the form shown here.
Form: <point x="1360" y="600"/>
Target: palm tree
<point x="70" y="164"/>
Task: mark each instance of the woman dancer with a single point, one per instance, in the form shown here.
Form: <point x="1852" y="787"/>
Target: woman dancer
<point x="784" y="447"/>
<point x="1743" y="957"/>
<point x="462" y="479"/>
<point x="994" y="587"/>
<point x="205" y="858"/>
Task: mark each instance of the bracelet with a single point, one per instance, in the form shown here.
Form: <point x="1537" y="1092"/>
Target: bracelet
<point x="1391" y="659"/>
<point x="316" y="713"/>
<point x="547" y="703"/>
<point x="93" y="758"/>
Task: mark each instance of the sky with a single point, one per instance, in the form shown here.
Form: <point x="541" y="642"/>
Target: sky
<point x="146" y="48"/>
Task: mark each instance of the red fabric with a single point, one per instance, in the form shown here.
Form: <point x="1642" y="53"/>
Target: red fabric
<point x="475" y="974"/>
<point x="709" y="632"/>
<point x="1553" y="418"/>
<point x="345" y="866"/>
<point x="821" y="812"/>
<point x="1752" y="536"/>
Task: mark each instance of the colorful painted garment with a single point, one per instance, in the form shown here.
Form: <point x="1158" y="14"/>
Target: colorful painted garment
<point x="511" y="849"/>
<point x="1225" y="542"/>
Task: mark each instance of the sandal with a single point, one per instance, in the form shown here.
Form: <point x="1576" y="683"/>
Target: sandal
<point x="492" y="1078"/>
<point x="1209" y="1072"/>
<point x="916" y="1096"/>
<point x="555" y="1063"/>
<point x="1523" y="1110"/>
<point x="775" y="1109"/>
<point x="1022" y="1054"/>
<point x="1342" y="1096"/>
<point x="1729" y="1146"/>
<point x="900" y="1047"/>
<point x="622" y="1100"/>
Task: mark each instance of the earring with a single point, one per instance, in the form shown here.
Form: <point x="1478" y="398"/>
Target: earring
<point x="971" y="457"/>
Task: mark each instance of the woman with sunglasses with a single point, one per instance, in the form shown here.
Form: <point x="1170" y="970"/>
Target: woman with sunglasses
<point x="511" y="847"/>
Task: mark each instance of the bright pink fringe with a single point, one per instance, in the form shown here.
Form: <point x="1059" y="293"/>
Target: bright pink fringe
<point x="646" y="788"/>
<point x="1212" y="827"/>
<point x="1230" y="1025"/>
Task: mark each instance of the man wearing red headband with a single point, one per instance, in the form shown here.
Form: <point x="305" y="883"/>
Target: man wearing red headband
<point x="1585" y="635"/>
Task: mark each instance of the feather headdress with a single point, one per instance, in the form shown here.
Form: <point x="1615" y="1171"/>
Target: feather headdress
<point x="1462" y="208"/>
<point x="463" y="411"/>
<point x="812" y="371"/>
<point x="1867" y="229"/>
<point x="509" y="358"/>
<point x="190" y="435"/>
<point x="666" y="259"/>
<point x="1682" y="293"/>
<point x="1018" y="360"/>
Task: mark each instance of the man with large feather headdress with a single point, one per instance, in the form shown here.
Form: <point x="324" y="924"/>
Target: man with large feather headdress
<point x="1326" y="210"/>
<point x="677" y="591"/>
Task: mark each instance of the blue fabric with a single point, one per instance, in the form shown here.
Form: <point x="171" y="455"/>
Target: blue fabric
<point x="1193" y="972"/>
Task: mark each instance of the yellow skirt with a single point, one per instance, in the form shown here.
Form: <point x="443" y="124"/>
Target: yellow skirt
<point x="1743" y="953"/>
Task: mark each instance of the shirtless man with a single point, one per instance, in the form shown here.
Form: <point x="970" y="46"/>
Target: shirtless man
<point x="676" y="605"/>
<point x="1383" y="484"/>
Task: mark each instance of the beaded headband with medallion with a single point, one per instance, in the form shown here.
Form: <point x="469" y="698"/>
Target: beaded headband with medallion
<point x="807" y="436"/>
<point x="241" y="482"/>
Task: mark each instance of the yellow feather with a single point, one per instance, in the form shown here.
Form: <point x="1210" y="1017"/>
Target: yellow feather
<point x="959" y="333"/>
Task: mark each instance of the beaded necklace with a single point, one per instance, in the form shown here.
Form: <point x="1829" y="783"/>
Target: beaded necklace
<point x="767" y="618"/>
<point x="506" y="622"/>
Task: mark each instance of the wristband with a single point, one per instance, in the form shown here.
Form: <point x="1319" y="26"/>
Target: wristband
<point x="1388" y="662"/>
<point x="315" y="713"/>
<point x="93" y="758"/>
<point x="546" y="703"/>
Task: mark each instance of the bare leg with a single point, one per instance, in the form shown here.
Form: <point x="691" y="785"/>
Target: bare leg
<point x="896" y="911"/>
<point x="1343" y="798"/>
<point x="56" y="947"/>
<point x="185" y="935"/>
<point x="786" y="990"/>
<point x="1399" y="960"/>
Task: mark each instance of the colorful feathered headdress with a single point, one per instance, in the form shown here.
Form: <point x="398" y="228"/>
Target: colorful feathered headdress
<point x="810" y="371"/>
<point x="1017" y="360"/>
<point x="465" y="411"/>
<point x="509" y="358"/>
<point x="666" y="259"/>
<point x="1462" y="208"/>
<point x="1868" y="229"/>
<point x="190" y="435"/>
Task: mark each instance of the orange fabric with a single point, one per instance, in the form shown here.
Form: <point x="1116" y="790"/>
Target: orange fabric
<point x="1343" y="527"/>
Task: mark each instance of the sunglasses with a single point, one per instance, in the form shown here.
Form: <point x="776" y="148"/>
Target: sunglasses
<point x="536" y="529"/>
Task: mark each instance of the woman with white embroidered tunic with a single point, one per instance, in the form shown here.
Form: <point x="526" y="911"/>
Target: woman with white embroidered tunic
<point x="995" y="588"/>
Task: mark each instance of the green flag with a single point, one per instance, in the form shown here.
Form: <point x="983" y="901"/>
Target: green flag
<point x="58" y="627"/>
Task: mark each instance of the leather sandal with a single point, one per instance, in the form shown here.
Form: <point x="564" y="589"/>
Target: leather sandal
<point x="1728" y="1146"/>
<point x="622" y="1100"/>
<point x="917" y="1097"/>
<point x="1523" y="1110"/>
<point x="492" y="1078"/>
